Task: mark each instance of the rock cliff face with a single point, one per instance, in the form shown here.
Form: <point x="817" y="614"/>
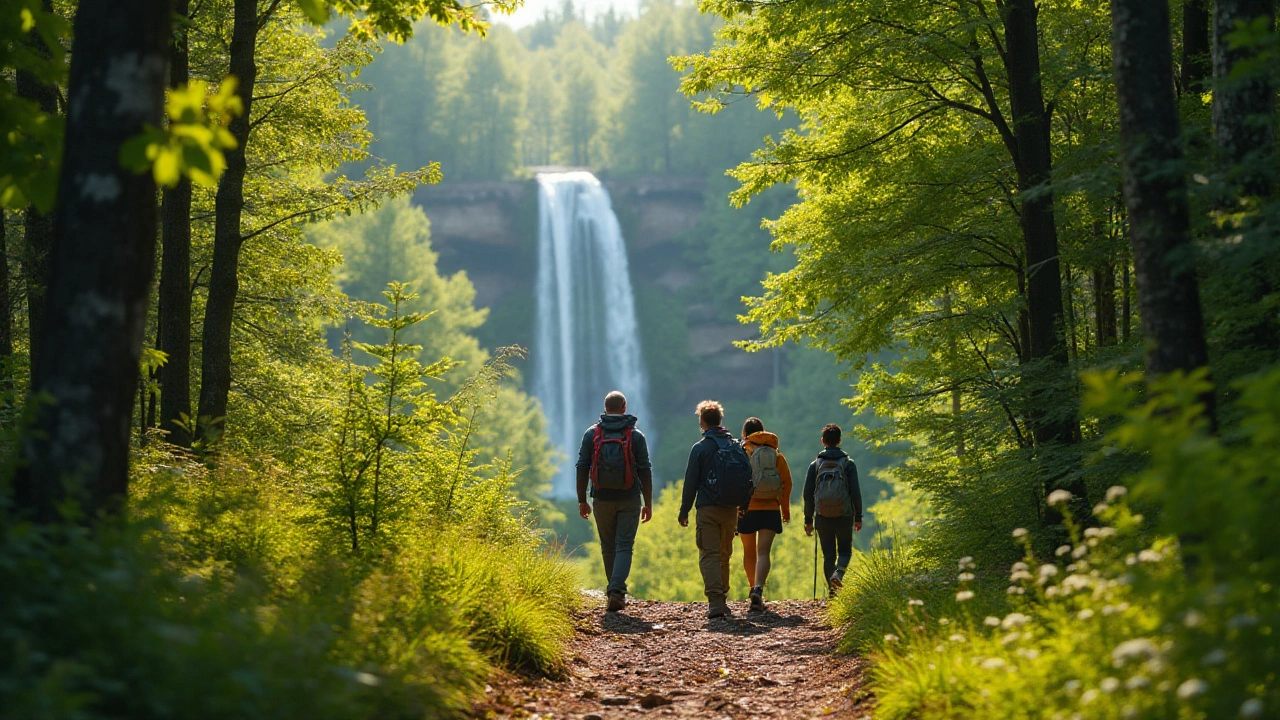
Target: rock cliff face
<point x="489" y="230"/>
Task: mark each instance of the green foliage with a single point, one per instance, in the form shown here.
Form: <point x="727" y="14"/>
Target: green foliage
<point x="192" y="144"/>
<point x="32" y="139"/>
<point x="1122" y="620"/>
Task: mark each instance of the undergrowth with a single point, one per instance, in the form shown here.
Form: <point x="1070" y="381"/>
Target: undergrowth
<point x="1167" y="616"/>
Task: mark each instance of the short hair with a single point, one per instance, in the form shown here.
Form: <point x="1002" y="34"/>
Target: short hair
<point x="831" y="435"/>
<point x="615" y="402"/>
<point x="711" y="413"/>
<point x="752" y="425"/>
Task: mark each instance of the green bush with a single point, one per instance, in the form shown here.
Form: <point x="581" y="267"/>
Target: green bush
<point x="1171" y="616"/>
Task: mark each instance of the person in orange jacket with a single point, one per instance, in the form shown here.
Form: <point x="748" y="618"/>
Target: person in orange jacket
<point x="770" y="505"/>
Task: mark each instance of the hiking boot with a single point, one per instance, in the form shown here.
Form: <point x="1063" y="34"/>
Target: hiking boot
<point x="757" y="599"/>
<point x="617" y="601"/>
<point x="718" y="608"/>
<point x="835" y="583"/>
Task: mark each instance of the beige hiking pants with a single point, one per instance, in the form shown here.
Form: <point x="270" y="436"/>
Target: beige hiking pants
<point x="716" y="527"/>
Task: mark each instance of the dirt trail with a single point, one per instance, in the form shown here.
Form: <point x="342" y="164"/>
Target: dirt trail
<point x="667" y="659"/>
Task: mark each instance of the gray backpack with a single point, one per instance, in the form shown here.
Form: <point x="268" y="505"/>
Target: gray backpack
<point x="764" y="473"/>
<point x="831" y="490"/>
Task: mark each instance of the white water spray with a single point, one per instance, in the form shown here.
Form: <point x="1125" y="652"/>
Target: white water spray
<point x="586" y="339"/>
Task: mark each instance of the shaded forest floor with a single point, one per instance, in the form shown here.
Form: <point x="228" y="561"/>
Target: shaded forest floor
<point x="667" y="659"/>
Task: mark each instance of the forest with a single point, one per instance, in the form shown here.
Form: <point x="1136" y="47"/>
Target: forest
<point x="266" y="455"/>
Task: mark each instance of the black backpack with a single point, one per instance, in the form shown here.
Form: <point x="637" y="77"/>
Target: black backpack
<point x="612" y="461"/>
<point x="729" y="484"/>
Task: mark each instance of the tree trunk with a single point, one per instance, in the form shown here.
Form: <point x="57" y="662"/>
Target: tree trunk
<point x="1243" y="111"/>
<point x="175" y="276"/>
<point x="1104" y="303"/>
<point x="100" y="265"/>
<point x="6" y="319"/>
<point x="1034" y="164"/>
<point x="1155" y="189"/>
<point x="1126" y="310"/>
<point x="38" y="227"/>
<point x="215" y="369"/>
<point x="1196" y="52"/>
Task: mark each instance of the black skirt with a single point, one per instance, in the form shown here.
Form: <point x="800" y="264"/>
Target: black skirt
<point x="756" y="520"/>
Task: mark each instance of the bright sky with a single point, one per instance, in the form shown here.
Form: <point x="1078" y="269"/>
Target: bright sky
<point x="532" y="10"/>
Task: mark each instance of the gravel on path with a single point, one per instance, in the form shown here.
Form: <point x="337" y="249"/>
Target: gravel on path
<point x="657" y="659"/>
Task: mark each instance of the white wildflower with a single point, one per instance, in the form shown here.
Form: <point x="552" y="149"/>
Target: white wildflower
<point x="991" y="621"/>
<point x="1028" y="653"/>
<point x="1106" y="532"/>
<point x="1085" y="614"/>
<point x="964" y="596"/>
<point x="1130" y="559"/>
<point x="1019" y="566"/>
<point x="1088" y="697"/>
<point x="1100" y="508"/>
<point x="1109" y="685"/>
<point x="966" y="563"/>
<point x="891" y="638"/>
<point x="1137" y="682"/>
<point x="994" y="663"/>
<point x="1091" y="532"/>
<point x="1062" y="550"/>
<point x="1018" y="575"/>
<point x="965" y="577"/>
<point x="956" y="638"/>
<point x="1076" y="582"/>
<point x="1013" y="620"/>
<point x="913" y="602"/>
<point x="1010" y="638"/>
<point x="1216" y="657"/>
<point x="1115" y="492"/>
<point x="1052" y="591"/>
<point x="1019" y="533"/>
<point x="1080" y="552"/>
<point x="1136" y="649"/>
<point x="1016" y="590"/>
<point x="1150" y="556"/>
<point x="1059" y="497"/>
<point x="1194" y="687"/>
<point x="944" y="621"/>
<point x="1251" y="708"/>
<point x="1193" y="618"/>
<point x="1048" y="570"/>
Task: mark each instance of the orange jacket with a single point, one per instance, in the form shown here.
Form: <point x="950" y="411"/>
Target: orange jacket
<point x="755" y="440"/>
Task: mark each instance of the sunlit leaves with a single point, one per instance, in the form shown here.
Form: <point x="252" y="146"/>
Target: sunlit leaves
<point x="192" y="144"/>
<point x="30" y="139"/>
<point x="395" y="18"/>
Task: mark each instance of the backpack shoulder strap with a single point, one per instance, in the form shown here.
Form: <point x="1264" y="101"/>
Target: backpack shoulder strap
<point x="595" y="451"/>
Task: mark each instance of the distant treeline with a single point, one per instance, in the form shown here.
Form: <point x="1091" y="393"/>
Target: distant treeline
<point x="564" y="91"/>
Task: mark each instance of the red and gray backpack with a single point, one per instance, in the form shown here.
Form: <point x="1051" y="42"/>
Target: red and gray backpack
<point x="612" y="461"/>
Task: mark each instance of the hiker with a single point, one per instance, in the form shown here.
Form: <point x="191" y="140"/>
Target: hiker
<point x="718" y="478"/>
<point x="770" y="506"/>
<point x="831" y="488"/>
<point x="614" y="459"/>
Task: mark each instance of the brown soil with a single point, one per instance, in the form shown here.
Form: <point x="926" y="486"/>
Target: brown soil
<point x="667" y="659"/>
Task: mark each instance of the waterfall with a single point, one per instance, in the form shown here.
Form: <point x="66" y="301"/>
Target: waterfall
<point x="586" y="339"/>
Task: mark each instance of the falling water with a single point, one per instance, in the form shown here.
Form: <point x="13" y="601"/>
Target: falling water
<point x="586" y="340"/>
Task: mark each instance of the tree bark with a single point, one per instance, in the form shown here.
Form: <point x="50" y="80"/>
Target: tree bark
<point x="175" y="276"/>
<point x="38" y="226"/>
<point x="1155" y="190"/>
<point x="101" y="265"/>
<point x="6" y="319"/>
<point x="1196" y="51"/>
<point x="215" y="369"/>
<point x="1104" y="303"/>
<point x="1243" y="110"/>
<point x="1034" y="164"/>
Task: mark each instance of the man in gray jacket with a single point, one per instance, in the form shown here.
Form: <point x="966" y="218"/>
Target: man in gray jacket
<point x="616" y="491"/>
<point x="831" y="490"/>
